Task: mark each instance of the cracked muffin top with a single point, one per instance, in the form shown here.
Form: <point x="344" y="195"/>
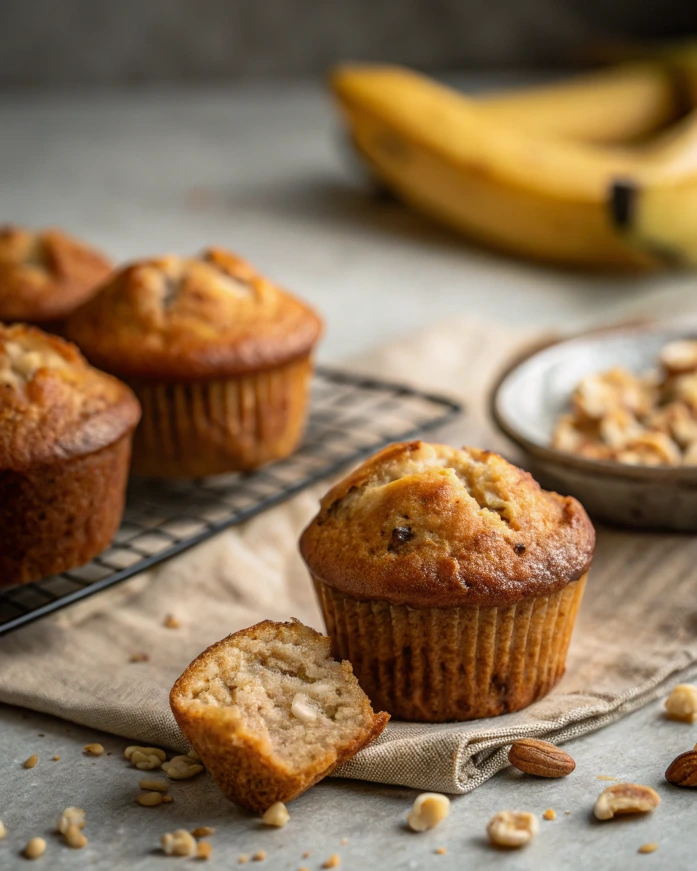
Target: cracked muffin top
<point x="44" y="276"/>
<point x="431" y="526"/>
<point x="53" y="404"/>
<point x="177" y="319"/>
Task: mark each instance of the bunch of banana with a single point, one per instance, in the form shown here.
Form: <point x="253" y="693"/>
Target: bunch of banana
<point x="564" y="173"/>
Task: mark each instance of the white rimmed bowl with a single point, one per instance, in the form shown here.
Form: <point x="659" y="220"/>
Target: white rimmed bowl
<point x="531" y="395"/>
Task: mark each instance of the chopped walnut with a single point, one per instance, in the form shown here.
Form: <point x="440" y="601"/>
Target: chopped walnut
<point x="641" y="420"/>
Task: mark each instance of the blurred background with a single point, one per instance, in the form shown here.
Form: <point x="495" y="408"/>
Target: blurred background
<point x="49" y="43"/>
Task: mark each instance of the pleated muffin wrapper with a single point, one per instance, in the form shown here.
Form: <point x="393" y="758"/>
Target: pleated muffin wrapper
<point x="440" y="664"/>
<point x="210" y="427"/>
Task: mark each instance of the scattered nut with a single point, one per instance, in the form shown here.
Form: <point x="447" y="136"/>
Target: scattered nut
<point x="31" y="762"/>
<point x="550" y="814"/>
<point x="429" y="809"/>
<point x="56" y="758"/>
<point x="171" y="622"/>
<point x="681" y="704"/>
<point x="306" y="854"/>
<point x="71" y="816"/>
<point x="259" y="856"/>
<point x="153" y="785"/>
<point x="178" y="843"/>
<point x="3" y="830"/>
<point x="648" y="848"/>
<point x="540" y="758"/>
<point x="74" y="837"/>
<point x="276" y="815"/>
<point x="149" y="799"/>
<point x="440" y="851"/>
<point x="333" y="861"/>
<point x="145" y="758"/>
<point x="625" y="798"/>
<point x="35" y="848"/>
<point x="93" y="749"/>
<point x="242" y="859"/>
<point x="512" y="828"/>
<point x="181" y="768"/>
<point x="166" y="799"/>
<point x="139" y="656"/>
<point x="202" y="831"/>
<point x="682" y="771"/>
<point x="203" y="850"/>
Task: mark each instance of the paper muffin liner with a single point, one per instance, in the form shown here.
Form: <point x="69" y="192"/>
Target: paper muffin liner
<point x="57" y="516"/>
<point x="439" y="664"/>
<point x="209" y="427"/>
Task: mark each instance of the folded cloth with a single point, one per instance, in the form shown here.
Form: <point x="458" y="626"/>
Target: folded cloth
<point x="632" y="639"/>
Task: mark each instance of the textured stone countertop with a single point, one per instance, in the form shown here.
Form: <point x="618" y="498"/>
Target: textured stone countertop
<point x="262" y="170"/>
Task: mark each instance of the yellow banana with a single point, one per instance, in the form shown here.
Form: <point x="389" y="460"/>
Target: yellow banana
<point x="530" y="194"/>
<point x="617" y="105"/>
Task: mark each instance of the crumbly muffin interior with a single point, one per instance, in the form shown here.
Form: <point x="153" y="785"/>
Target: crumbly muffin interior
<point x="286" y="689"/>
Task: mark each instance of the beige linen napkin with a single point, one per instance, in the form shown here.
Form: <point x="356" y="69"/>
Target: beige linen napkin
<point x="636" y="633"/>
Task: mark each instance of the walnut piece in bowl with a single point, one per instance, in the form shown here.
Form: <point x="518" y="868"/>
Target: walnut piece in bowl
<point x="610" y="417"/>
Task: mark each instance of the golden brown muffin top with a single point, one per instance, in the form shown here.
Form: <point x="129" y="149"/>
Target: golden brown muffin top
<point x="44" y="276"/>
<point x="53" y="404"/>
<point x="179" y="319"/>
<point x="430" y="526"/>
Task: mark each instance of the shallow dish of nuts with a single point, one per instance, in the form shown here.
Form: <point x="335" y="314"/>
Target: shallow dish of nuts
<point x="610" y="417"/>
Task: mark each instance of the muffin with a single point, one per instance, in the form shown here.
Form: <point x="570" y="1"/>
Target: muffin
<point x="219" y="357"/>
<point x="65" y="445"/>
<point x="270" y="713"/>
<point x="449" y="579"/>
<point x="45" y="276"/>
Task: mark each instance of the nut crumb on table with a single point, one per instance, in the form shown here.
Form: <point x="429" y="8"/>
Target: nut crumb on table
<point x="440" y="851"/>
<point x="93" y="749"/>
<point x="171" y="622"/>
<point x="332" y="862"/>
<point x="35" y="847"/>
<point x="648" y="848"/>
<point x="549" y="814"/>
<point x="681" y="704"/>
<point x="259" y="856"/>
<point x="31" y="762"/>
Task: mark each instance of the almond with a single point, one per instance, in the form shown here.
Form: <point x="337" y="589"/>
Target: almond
<point x="540" y="758"/>
<point x="682" y="771"/>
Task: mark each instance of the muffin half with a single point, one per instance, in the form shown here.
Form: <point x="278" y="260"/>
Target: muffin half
<point x="449" y="579"/>
<point x="45" y="276"/>
<point x="270" y="713"/>
<point x="65" y="446"/>
<point x="219" y="357"/>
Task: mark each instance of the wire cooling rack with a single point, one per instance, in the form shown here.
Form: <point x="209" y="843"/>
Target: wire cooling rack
<point x="350" y="417"/>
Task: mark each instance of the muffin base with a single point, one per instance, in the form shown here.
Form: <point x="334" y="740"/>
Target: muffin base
<point x="56" y="517"/>
<point x="210" y="427"/>
<point x="438" y="664"/>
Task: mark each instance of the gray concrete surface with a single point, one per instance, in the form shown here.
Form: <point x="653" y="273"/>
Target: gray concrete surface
<point x="260" y="170"/>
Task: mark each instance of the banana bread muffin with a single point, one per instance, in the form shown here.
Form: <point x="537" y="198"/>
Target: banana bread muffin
<point x="65" y="445"/>
<point x="449" y="579"/>
<point x="219" y="357"/>
<point x="270" y="713"/>
<point x="45" y="276"/>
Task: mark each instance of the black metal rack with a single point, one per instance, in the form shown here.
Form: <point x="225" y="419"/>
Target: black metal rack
<point x="350" y="417"/>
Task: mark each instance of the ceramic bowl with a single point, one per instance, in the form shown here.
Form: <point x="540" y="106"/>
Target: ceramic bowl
<point x="535" y="391"/>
